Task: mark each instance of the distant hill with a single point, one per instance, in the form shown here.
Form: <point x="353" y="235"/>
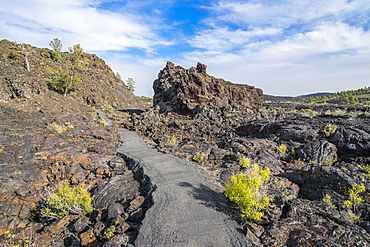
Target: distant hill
<point x="350" y="97"/>
<point x="300" y="98"/>
<point x="353" y="97"/>
<point x="273" y="98"/>
<point x="314" y="95"/>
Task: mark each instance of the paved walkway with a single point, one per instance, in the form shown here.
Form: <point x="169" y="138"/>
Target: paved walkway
<point x="187" y="212"/>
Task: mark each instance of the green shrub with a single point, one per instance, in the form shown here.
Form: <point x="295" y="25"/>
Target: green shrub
<point x="131" y="84"/>
<point x="308" y="113"/>
<point x="102" y="122"/>
<point x="286" y="195"/>
<point x="244" y="162"/>
<point x="330" y="129"/>
<point x="336" y="112"/>
<point x="57" y="128"/>
<point x="354" y="200"/>
<point x="248" y="192"/>
<point x="199" y="157"/>
<point x="282" y="149"/>
<point x="327" y="200"/>
<point x="68" y="200"/>
<point x="329" y="162"/>
<point x="354" y="193"/>
<point x="172" y="140"/>
<point x="109" y="232"/>
<point x="366" y="175"/>
<point x="14" y="240"/>
<point x="56" y="45"/>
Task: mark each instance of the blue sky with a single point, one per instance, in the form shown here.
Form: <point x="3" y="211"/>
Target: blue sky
<point x="285" y="47"/>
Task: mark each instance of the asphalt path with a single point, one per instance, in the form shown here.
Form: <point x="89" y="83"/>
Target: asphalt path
<point x="187" y="212"/>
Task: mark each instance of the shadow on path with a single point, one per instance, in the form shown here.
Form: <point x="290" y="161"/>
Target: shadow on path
<point x="212" y="199"/>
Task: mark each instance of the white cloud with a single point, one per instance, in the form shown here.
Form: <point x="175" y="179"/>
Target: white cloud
<point x="143" y="71"/>
<point x="75" y="22"/>
<point x="326" y="38"/>
<point x="304" y="46"/>
<point x="223" y="39"/>
<point x="286" y="12"/>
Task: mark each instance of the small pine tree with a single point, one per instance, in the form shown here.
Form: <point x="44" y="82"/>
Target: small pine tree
<point x="131" y="84"/>
<point x="118" y="76"/>
<point x="56" y="45"/>
<point x="64" y="80"/>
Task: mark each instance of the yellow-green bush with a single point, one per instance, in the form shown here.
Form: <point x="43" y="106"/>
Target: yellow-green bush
<point x="327" y="200"/>
<point x="59" y="128"/>
<point x="282" y="149"/>
<point x="354" y="193"/>
<point x="102" y="122"/>
<point x="244" y="162"/>
<point x="308" y="113"/>
<point x="354" y="200"/>
<point x="109" y="232"/>
<point x="54" y="127"/>
<point x="199" y="157"/>
<point x="68" y="200"/>
<point x="330" y="129"/>
<point x="248" y="191"/>
<point x="172" y="140"/>
<point x="14" y="240"/>
<point x="366" y="175"/>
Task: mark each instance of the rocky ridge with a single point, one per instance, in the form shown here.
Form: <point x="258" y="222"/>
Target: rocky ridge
<point x="27" y="89"/>
<point x="185" y="91"/>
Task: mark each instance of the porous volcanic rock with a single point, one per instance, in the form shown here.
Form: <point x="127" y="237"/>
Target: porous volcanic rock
<point x="183" y="90"/>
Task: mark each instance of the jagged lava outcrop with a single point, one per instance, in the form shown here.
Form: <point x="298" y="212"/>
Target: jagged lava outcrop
<point x="183" y="90"/>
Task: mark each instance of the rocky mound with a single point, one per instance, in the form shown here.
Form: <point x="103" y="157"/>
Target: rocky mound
<point x="184" y="90"/>
<point x="24" y="81"/>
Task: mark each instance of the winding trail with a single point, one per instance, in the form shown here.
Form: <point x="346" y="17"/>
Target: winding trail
<point x="186" y="212"/>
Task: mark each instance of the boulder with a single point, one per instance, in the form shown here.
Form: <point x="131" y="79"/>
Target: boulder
<point x="115" y="209"/>
<point x="117" y="189"/>
<point x="314" y="223"/>
<point x="351" y="143"/>
<point x="183" y="90"/>
<point x="318" y="152"/>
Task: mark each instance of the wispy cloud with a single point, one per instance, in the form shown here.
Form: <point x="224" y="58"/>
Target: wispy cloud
<point x="287" y="12"/>
<point x="318" y="44"/>
<point x="224" y="39"/>
<point x="77" y="22"/>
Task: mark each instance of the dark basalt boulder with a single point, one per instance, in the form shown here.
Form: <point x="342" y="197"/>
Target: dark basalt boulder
<point x="183" y="90"/>
<point x="320" y="152"/>
<point x="351" y="143"/>
<point x="116" y="189"/>
<point x="314" y="223"/>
